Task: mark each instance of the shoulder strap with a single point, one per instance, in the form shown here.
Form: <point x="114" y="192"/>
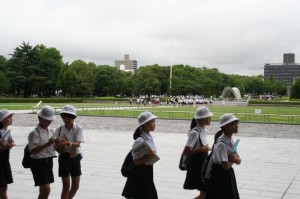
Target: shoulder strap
<point x="219" y="140"/>
<point x="198" y="138"/>
<point x="143" y="137"/>
<point x="59" y="130"/>
<point x="38" y="131"/>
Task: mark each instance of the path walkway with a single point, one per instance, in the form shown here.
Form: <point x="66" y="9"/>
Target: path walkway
<point x="270" y="166"/>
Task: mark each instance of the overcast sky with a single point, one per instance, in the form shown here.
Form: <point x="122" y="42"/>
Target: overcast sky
<point x="235" y="36"/>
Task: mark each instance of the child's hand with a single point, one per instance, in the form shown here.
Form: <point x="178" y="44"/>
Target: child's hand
<point x="151" y="154"/>
<point x="206" y="148"/>
<point x="233" y="157"/>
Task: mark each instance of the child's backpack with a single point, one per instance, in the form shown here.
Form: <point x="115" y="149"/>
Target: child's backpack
<point x="26" y="162"/>
<point x="127" y="164"/>
<point x="207" y="167"/>
<point x="185" y="159"/>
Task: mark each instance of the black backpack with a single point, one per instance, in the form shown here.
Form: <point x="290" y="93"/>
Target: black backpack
<point x="207" y="167"/>
<point x="127" y="164"/>
<point x="26" y="162"/>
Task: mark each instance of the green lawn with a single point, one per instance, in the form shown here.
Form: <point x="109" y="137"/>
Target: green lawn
<point x="245" y="113"/>
<point x="272" y="114"/>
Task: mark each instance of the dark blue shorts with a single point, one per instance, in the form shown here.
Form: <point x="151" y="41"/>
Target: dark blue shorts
<point x="69" y="166"/>
<point x="42" y="171"/>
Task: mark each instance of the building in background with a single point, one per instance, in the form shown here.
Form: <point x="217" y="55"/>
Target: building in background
<point x="285" y="72"/>
<point x="126" y="64"/>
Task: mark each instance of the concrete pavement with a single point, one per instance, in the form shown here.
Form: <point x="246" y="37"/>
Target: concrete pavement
<point x="270" y="167"/>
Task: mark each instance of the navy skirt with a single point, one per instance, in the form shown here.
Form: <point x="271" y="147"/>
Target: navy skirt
<point x="140" y="184"/>
<point x="5" y="169"/>
<point x="193" y="178"/>
<point x="223" y="184"/>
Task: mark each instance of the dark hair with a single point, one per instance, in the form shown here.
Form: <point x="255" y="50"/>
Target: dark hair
<point x="193" y="123"/>
<point x="218" y="134"/>
<point x="62" y="115"/>
<point x="137" y="133"/>
<point x="1" y="125"/>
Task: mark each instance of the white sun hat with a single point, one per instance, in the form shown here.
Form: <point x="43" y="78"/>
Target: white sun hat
<point x="47" y="113"/>
<point x="202" y="112"/>
<point x="68" y="109"/>
<point x="145" y="117"/>
<point x="4" y="113"/>
<point x="227" y="118"/>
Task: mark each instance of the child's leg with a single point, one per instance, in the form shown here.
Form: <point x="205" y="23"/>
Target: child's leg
<point x="74" y="187"/>
<point x="3" y="192"/>
<point x="44" y="191"/>
<point x="66" y="187"/>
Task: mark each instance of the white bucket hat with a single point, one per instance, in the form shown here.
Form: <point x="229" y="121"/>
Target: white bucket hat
<point x="4" y="113"/>
<point x="202" y="112"/>
<point x="145" y="117"/>
<point x="68" y="109"/>
<point x="227" y="118"/>
<point x="47" y="113"/>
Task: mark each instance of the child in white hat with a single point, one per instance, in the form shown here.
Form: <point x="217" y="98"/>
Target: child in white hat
<point x="197" y="149"/>
<point x="70" y="154"/>
<point x="6" y="143"/>
<point x="40" y="141"/>
<point x="223" y="181"/>
<point x="140" y="182"/>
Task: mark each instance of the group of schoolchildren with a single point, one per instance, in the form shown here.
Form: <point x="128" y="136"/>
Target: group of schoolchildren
<point x="222" y="183"/>
<point x="43" y="143"/>
<point x="66" y="139"/>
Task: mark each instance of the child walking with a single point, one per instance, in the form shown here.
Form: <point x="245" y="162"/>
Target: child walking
<point x="40" y="141"/>
<point x="223" y="183"/>
<point x="6" y="143"/>
<point x="140" y="184"/>
<point x="68" y="145"/>
<point x="197" y="148"/>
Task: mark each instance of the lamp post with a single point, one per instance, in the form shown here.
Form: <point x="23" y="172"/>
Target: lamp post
<point x="171" y="80"/>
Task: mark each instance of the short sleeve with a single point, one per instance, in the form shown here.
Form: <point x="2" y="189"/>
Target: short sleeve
<point x="79" y="134"/>
<point x="136" y="143"/>
<point x="220" y="153"/>
<point x="193" y="138"/>
<point x="33" y="140"/>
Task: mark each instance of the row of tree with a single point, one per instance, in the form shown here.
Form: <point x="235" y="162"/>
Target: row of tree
<point x="40" y="71"/>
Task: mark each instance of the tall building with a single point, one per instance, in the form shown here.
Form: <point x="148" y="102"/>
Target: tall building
<point x="126" y="64"/>
<point x="289" y="58"/>
<point x="285" y="72"/>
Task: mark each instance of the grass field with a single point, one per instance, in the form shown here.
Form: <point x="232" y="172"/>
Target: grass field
<point x="271" y="114"/>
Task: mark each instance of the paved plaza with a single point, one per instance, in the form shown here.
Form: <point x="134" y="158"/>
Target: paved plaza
<point x="270" y="155"/>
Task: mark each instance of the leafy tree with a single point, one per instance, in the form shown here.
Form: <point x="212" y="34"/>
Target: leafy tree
<point x="253" y="85"/>
<point x="5" y="84"/>
<point x="147" y="82"/>
<point x="2" y="63"/>
<point x="34" y="70"/>
<point x="295" y="94"/>
<point x="50" y="65"/>
<point x="79" y="79"/>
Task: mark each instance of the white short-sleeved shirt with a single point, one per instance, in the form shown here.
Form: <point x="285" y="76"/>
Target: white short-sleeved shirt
<point x="194" y="134"/>
<point x="40" y="137"/>
<point x="144" y="137"/>
<point x="74" y="135"/>
<point x="5" y="135"/>
<point x="222" y="150"/>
